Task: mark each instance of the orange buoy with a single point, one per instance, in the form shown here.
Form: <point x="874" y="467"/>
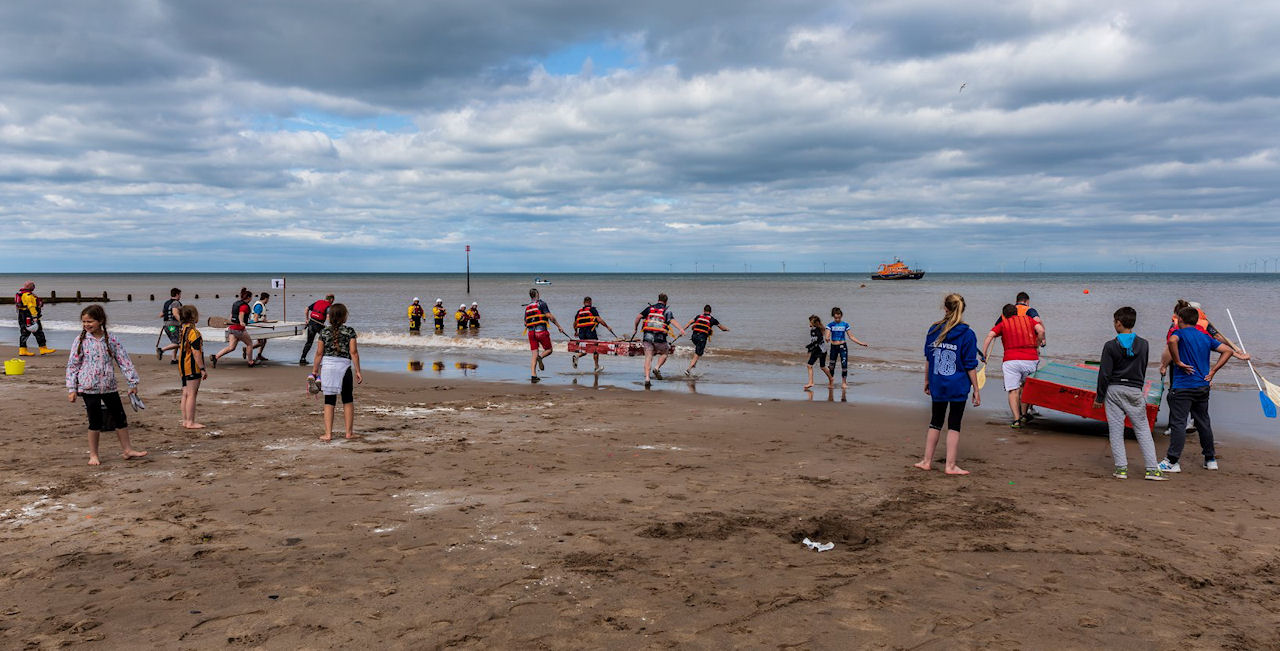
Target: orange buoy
<point x="1086" y="291"/>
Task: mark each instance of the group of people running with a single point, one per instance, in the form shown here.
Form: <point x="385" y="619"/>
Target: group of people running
<point x="465" y="318"/>
<point x="656" y="322"/>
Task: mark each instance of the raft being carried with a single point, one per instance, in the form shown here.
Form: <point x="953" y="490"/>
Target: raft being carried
<point x="621" y="348"/>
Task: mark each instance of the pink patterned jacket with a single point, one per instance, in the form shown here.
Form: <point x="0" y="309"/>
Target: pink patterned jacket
<point x="89" y="368"/>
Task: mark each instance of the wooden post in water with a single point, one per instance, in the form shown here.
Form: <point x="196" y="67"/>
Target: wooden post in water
<point x="468" y="269"/>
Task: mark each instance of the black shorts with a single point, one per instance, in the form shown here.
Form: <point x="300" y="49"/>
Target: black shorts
<point x="190" y="378"/>
<point x="348" y="391"/>
<point x="171" y="331"/>
<point x="106" y="413"/>
<point x="699" y="344"/>
<point x="817" y="356"/>
<point x="589" y="334"/>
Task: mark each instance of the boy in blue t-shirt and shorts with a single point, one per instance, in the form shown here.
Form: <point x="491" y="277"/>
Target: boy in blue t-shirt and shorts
<point x="1189" y="349"/>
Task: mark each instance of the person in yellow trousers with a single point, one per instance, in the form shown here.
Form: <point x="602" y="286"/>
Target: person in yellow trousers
<point x="29" y="311"/>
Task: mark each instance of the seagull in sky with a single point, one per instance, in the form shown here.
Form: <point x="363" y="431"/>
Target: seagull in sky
<point x="962" y="88"/>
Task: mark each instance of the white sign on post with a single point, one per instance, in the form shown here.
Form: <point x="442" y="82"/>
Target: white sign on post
<point x="277" y="283"/>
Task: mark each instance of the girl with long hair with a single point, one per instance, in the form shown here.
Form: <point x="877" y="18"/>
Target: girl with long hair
<point x="337" y="361"/>
<point x="951" y="355"/>
<point x="91" y="375"/>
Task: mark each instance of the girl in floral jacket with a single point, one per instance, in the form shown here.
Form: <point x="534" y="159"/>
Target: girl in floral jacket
<point x="91" y="376"/>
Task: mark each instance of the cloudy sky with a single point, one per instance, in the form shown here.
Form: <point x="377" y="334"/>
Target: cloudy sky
<point x="578" y="135"/>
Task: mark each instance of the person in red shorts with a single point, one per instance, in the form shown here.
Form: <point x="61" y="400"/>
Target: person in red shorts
<point x="536" y="317"/>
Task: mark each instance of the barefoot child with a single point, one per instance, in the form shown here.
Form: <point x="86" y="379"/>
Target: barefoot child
<point x="91" y="376"/>
<point x="837" y="333"/>
<point x="337" y="360"/>
<point x="817" y="337"/>
<point x="1122" y="376"/>
<point x="951" y="350"/>
<point x="190" y="364"/>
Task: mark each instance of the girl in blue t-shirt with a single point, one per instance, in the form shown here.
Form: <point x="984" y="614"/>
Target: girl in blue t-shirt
<point x="839" y="335"/>
<point x="951" y="351"/>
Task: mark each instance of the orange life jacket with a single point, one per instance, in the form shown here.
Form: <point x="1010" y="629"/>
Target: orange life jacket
<point x="1022" y="309"/>
<point x="1202" y="321"/>
<point x="655" y="319"/>
<point x="534" y="316"/>
<point x="585" y="319"/>
<point x="702" y="324"/>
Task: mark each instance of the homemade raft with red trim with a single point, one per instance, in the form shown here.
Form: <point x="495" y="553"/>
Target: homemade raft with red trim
<point x="1072" y="389"/>
<point x="620" y="348"/>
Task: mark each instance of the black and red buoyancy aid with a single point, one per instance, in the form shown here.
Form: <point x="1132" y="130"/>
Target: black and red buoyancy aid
<point x="586" y="318"/>
<point x="534" y="316"/>
<point x="236" y="308"/>
<point x="655" y="318"/>
<point x="23" y="311"/>
<point x="318" y="311"/>
<point x="702" y="324"/>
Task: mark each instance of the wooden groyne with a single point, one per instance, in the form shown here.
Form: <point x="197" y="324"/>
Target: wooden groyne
<point x="54" y="298"/>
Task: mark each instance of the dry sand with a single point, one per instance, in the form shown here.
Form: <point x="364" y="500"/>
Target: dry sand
<point x="506" y="516"/>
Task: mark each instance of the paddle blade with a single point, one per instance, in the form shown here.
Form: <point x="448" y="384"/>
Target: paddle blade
<point x="982" y="375"/>
<point x="218" y="322"/>
<point x="1268" y="407"/>
<point x="1272" y="397"/>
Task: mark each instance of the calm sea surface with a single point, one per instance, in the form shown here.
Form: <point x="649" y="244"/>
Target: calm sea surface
<point x="762" y="355"/>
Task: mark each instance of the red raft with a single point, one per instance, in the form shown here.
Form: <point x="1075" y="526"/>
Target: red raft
<point x="620" y="348"/>
<point x="1072" y="389"/>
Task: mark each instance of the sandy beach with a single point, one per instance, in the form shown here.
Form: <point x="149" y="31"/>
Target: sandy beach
<point x="485" y="515"/>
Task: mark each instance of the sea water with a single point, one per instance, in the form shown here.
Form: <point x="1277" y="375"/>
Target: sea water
<point x="762" y="356"/>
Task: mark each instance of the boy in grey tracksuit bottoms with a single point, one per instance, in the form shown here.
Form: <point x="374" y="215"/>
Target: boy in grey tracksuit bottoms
<point x="1121" y="379"/>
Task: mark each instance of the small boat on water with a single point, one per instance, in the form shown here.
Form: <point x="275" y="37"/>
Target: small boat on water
<point x="541" y="281"/>
<point x="897" y="270"/>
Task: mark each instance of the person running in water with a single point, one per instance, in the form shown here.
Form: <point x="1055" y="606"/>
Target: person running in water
<point x="837" y="333"/>
<point x="30" y="309"/>
<point x="585" y="322"/>
<point x="415" y="316"/>
<point x="317" y="314"/>
<point x="437" y="314"/>
<point x="235" y="329"/>
<point x="536" y="316"/>
<point x="701" y="326"/>
<point x="172" y="317"/>
<point x="658" y="320"/>
<point x="817" y="354"/>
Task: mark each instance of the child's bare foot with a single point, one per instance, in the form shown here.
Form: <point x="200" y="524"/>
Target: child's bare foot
<point x="808" y="386"/>
<point x="193" y="425"/>
<point x="844" y="385"/>
<point x="923" y="465"/>
<point x="351" y="435"/>
<point x="93" y="460"/>
<point x="956" y="470"/>
<point x="326" y="437"/>
<point x="133" y="454"/>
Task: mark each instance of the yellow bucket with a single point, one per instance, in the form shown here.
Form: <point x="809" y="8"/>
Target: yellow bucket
<point x="15" y="367"/>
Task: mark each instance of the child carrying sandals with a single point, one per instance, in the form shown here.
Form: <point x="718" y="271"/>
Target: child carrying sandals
<point x="91" y="376"/>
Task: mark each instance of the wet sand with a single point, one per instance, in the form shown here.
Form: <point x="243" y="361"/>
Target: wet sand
<point x="483" y="515"/>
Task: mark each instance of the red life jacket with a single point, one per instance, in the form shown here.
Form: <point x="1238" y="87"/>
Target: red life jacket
<point x="702" y="324"/>
<point x="534" y="316"/>
<point x="318" y="311"/>
<point x="585" y="319"/>
<point x="655" y="319"/>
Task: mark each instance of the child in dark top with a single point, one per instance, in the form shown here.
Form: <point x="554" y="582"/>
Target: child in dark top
<point x="1189" y="349"/>
<point x="191" y="364"/>
<point x="1121" y="379"/>
<point x="817" y="337"/>
<point x="951" y="351"/>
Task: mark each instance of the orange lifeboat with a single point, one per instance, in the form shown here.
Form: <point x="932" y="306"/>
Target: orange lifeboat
<point x="897" y="270"/>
